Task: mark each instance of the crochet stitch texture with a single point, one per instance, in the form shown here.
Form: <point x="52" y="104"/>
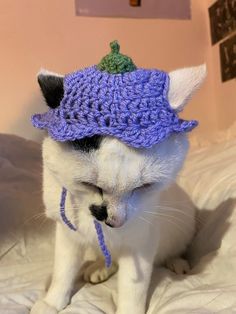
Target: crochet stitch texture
<point x="131" y="106"/>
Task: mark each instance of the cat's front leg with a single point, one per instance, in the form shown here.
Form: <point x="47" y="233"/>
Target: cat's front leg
<point x="133" y="281"/>
<point x="68" y="261"/>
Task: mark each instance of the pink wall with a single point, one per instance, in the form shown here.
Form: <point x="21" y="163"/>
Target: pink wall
<point x="47" y="34"/>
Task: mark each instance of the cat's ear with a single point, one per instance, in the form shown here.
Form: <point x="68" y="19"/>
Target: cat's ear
<point x="183" y="83"/>
<point x="51" y="85"/>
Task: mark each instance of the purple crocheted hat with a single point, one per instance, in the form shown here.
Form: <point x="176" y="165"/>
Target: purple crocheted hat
<point x="116" y="99"/>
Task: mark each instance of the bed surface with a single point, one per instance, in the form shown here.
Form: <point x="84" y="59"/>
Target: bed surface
<point x="26" y="238"/>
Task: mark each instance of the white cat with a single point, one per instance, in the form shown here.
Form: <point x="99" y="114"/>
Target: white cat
<point x="121" y="186"/>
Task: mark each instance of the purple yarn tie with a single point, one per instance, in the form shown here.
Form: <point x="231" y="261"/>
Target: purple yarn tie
<point x="102" y="244"/>
<point x="62" y="210"/>
<point x="98" y="228"/>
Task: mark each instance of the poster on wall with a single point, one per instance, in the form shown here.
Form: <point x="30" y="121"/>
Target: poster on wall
<point x="163" y="9"/>
<point x="222" y="19"/>
<point x="228" y="58"/>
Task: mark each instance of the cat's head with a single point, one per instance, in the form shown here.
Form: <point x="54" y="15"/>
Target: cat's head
<point x="108" y="179"/>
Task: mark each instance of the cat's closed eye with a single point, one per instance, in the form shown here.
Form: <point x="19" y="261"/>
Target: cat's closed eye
<point x="143" y="186"/>
<point x="92" y="186"/>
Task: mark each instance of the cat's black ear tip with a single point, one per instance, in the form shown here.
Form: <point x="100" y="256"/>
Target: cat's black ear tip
<point x="40" y="77"/>
<point x="51" y="85"/>
<point x="41" y="81"/>
<point x="43" y="73"/>
<point x="44" y="76"/>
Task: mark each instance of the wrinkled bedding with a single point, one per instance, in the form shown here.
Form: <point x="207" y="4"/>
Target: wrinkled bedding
<point x="26" y="238"/>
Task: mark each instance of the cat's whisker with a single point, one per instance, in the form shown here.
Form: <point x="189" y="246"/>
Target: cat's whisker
<point x="147" y="221"/>
<point x="34" y="217"/>
<point x="173" y="202"/>
<point x="173" y="209"/>
<point x="42" y="223"/>
<point x="174" y="218"/>
<point x="169" y="209"/>
<point x="195" y="217"/>
<point x="179" y="212"/>
<point x="165" y="206"/>
<point x="175" y="224"/>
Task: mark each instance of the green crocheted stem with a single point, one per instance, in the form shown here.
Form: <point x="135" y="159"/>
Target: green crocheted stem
<point x="115" y="62"/>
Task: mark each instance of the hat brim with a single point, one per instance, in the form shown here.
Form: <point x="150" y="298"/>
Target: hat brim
<point x="134" y="136"/>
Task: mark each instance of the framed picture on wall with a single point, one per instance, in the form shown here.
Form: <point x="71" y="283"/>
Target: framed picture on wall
<point x="163" y="9"/>
<point x="222" y="19"/>
<point x="228" y="58"/>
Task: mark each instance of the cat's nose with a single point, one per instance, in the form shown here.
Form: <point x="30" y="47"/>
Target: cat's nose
<point x="99" y="211"/>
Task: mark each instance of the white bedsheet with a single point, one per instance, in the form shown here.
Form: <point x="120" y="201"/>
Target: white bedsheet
<point x="26" y="239"/>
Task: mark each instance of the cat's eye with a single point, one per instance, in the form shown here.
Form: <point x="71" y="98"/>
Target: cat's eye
<point x="144" y="186"/>
<point x="93" y="186"/>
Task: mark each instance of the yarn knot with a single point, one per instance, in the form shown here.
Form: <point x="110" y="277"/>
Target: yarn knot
<point x="115" y="47"/>
<point x="115" y="62"/>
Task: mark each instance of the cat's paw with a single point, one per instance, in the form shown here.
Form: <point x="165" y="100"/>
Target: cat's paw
<point x="178" y="265"/>
<point x="98" y="272"/>
<point x="41" y="307"/>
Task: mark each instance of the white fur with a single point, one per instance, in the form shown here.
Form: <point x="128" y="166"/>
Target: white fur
<point x="147" y="230"/>
<point x="183" y="83"/>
